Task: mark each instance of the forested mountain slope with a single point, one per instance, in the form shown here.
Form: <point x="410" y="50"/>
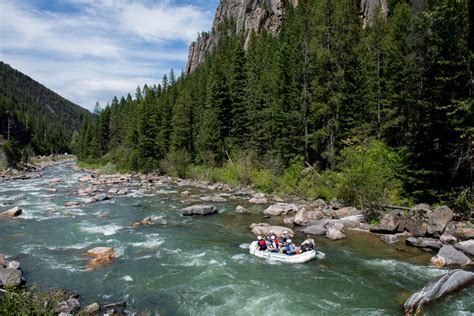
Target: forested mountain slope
<point x="381" y="108"/>
<point x="34" y="117"/>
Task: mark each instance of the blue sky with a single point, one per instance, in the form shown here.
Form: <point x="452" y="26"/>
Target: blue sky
<point x="92" y="50"/>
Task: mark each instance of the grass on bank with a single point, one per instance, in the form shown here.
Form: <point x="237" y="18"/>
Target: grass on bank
<point x="30" y="301"/>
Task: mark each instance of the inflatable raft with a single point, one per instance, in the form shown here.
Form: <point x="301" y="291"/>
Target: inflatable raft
<point x="281" y="257"/>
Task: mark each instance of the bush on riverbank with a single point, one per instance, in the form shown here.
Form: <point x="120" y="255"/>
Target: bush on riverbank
<point x="22" y="301"/>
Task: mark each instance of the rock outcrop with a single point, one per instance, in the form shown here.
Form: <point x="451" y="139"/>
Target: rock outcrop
<point x="248" y="15"/>
<point x="370" y="8"/>
<point x="438" y="287"/>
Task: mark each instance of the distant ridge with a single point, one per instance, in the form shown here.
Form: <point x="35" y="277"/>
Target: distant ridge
<point x="35" y="116"/>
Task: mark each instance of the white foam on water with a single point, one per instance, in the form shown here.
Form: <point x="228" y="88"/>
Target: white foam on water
<point x="127" y="278"/>
<point x="401" y="267"/>
<point x="152" y="241"/>
<point x="217" y="263"/>
<point x="244" y="246"/>
<point x="106" y="230"/>
<point x="199" y="255"/>
<point x="239" y="257"/>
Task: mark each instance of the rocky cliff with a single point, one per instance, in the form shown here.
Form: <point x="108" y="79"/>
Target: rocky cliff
<point x="259" y="15"/>
<point x="248" y="15"/>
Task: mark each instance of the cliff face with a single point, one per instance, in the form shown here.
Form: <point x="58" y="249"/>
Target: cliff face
<point x="256" y="15"/>
<point x="259" y="15"/>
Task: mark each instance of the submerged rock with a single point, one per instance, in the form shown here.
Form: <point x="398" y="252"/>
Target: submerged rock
<point x="96" y="198"/>
<point x="389" y="239"/>
<point x="423" y="242"/>
<point x="13" y="212"/>
<point x="72" y="204"/>
<point x="280" y="209"/>
<point x="448" y="255"/>
<point x="200" y="209"/>
<point x="241" y="210"/>
<point x="438" y="287"/>
<point x="212" y="198"/>
<point x="264" y="229"/>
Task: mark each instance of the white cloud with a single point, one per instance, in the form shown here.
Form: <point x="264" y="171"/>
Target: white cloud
<point x="101" y="48"/>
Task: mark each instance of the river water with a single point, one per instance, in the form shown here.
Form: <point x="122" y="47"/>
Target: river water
<point x="199" y="265"/>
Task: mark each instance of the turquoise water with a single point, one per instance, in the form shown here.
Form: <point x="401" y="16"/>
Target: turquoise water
<point x="199" y="265"/>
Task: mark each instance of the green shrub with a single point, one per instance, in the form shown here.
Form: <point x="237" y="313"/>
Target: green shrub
<point x="176" y="163"/>
<point x="20" y="301"/>
<point x="370" y="175"/>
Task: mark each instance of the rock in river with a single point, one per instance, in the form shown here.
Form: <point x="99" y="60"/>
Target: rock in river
<point x="438" y="220"/>
<point x="389" y="239"/>
<point x="437" y="287"/>
<point x="264" y="229"/>
<point x="13" y="212"/>
<point x="466" y="246"/>
<point x="448" y="255"/>
<point x="304" y="217"/>
<point x="241" y="210"/>
<point x="334" y="234"/>
<point x="71" y="204"/>
<point x="101" y="256"/>
<point x="422" y="242"/>
<point x="280" y="209"/>
<point x="259" y="198"/>
<point x="199" y="209"/>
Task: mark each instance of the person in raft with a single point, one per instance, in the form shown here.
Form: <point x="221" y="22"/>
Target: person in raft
<point x="262" y="244"/>
<point x="285" y="237"/>
<point x="274" y="245"/>
<point x="308" y="244"/>
<point x="290" y="248"/>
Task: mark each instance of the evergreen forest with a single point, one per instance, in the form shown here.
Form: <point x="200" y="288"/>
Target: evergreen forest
<point x="34" y="119"/>
<point x="373" y="116"/>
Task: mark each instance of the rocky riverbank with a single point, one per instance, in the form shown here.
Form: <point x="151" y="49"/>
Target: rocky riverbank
<point x="32" y="169"/>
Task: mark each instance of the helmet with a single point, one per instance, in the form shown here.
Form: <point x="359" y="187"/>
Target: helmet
<point x="285" y="232"/>
<point x="259" y="237"/>
<point x="272" y="237"/>
<point x="288" y="240"/>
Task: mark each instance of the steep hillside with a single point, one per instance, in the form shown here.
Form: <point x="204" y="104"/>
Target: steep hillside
<point x="34" y="116"/>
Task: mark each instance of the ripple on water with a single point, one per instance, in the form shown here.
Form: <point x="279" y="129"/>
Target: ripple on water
<point x="106" y="230"/>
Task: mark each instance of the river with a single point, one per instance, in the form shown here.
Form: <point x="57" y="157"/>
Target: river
<point x="199" y="265"/>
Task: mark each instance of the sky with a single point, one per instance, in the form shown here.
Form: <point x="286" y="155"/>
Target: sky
<point x="93" y="50"/>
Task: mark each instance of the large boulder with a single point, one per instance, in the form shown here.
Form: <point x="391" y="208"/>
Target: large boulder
<point x="264" y="229"/>
<point x="466" y="246"/>
<point x="241" y="210"/>
<point x="350" y="221"/>
<point x="101" y="252"/>
<point x="10" y="277"/>
<point x="280" y="209"/>
<point x="13" y="212"/>
<point x="389" y="223"/>
<point x="318" y="227"/>
<point x="423" y="242"/>
<point x="448" y="255"/>
<point x="416" y="227"/>
<point x="438" y="220"/>
<point x="334" y="234"/>
<point x="447" y="239"/>
<point x="259" y="198"/>
<point x="304" y="217"/>
<point x="344" y="212"/>
<point x="199" y="209"/>
<point x="438" y="287"/>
